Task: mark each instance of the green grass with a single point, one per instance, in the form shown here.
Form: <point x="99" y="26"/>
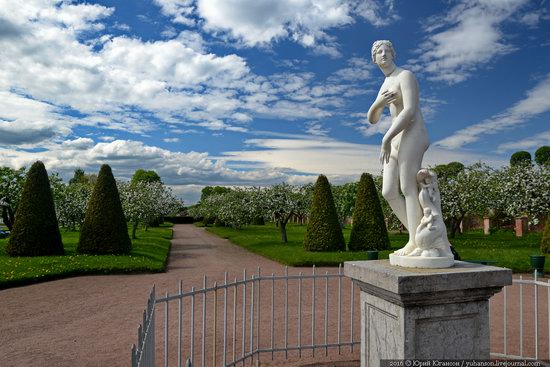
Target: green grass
<point x="149" y="254"/>
<point x="502" y="247"/>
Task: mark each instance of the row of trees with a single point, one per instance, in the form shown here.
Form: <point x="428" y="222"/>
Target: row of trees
<point x="479" y="190"/>
<point x="279" y="203"/>
<point x="91" y="202"/>
<point x="144" y="199"/>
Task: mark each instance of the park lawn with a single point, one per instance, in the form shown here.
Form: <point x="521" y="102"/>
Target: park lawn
<point x="502" y="247"/>
<point x="149" y="254"/>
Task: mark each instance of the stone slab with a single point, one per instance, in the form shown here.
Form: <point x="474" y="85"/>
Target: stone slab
<point x="400" y="280"/>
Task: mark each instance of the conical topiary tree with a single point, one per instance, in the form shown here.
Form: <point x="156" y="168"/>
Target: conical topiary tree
<point x="369" y="229"/>
<point x="35" y="230"/>
<point x="323" y="231"/>
<point x="545" y="241"/>
<point x="104" y="230"/>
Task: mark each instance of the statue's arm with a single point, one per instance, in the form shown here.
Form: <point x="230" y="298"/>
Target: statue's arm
<point x="375" y="111"/>
<point x="409" y="92"/>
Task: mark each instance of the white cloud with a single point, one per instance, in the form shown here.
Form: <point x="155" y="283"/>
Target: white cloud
<point x="127" y="84"/>
<point x="171" y="140"/>
<point x="335" y="158"/>
<point x="536" y="103"/>
<point x="259" y="23"/>
<point x="25" y="121"/>
<point x="179" y="10"/>
<point x="465" y="39"/>
<point x="316" y="128"/>
<point x="532" y="142"/>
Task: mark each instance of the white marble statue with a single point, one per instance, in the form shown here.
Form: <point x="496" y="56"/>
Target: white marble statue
<point x="402" y="150"/>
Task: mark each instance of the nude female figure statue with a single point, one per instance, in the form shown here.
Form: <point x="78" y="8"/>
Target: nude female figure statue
<point x="404" y="144"/>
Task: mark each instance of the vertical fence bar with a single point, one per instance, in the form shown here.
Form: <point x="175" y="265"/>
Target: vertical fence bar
<point x="536" y="318"/>
<point x="326" y="314"/>
<point x="244" y="314"/>
<point x="203" y="346"/>
<point x="313" y="313"/>
<point x="192" y="346"/>
<point x="339" y="305"/>
<point x="180" y="324"/>
<point x="520" y="317"/>
<point x="215" y="323"/>
<point x="505" y="323"/>
<point x="259" y="315"/>
<point x="235" y="289"/>
<point x="224" y="318"/>
<point x="286" y="312"/>
<point x="351" y="315"/>
<point x="300" y="315"/>
<point x="252" y="317"/>
<point x="134" y="359"/>
<point x="272" y="313"/>
<point x="166" y="332"/>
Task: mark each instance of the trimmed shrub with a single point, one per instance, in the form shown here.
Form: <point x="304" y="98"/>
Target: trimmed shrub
<point x="545" y="241"/>
<point x="369" y="229"/>
<point x="35" y="230"/>
<point x="323" y="231"/>
<point x="104" y="230"/>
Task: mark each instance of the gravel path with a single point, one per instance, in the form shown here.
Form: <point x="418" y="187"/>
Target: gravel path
<point x="92" y="320"/>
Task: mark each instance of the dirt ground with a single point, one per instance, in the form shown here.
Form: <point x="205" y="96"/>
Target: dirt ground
<point x="93" y="320"/>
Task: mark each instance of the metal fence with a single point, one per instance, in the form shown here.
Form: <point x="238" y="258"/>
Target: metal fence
<point x="265" y="317"/>
<point x="520" y="320"/>
<point x="251" y="319"/>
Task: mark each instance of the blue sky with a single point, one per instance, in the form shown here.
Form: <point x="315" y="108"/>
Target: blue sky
<point x="256" y="92"/>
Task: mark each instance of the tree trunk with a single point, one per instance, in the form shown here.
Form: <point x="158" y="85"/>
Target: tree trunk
<point x="8" y="217"/>
<point x="283" y="232"/>
<point x="134" y="229"/>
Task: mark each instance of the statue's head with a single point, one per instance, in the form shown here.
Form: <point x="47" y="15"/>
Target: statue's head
<point x="382" y="43"/>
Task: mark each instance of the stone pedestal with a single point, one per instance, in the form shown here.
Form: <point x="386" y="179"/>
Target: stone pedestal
<point x="409" y="313"/>
<point x="521" y="226"/>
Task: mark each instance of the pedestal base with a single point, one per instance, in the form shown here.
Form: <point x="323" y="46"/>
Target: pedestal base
<point x="422" y="262"/>
<point x="409" y="313"/>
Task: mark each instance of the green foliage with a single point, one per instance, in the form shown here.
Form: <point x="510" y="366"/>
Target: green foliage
<point x="344" y="200"/>
<point x="213" y="190"/>
<point x="149" y="254"/>
<point x="11" y="186"/>
<point x="78" y="176"/>
<point x="104" y="228"/>
<point x="519" y="158"/>
<point x="35" y="231"/>
<point x="542" y="155"/>
<point x="369" y="230"/>
<point x="449" y="170"/>
<point x="142" y="175"/>
<point x="323" y="230"/>
<point x="545" y="240"/>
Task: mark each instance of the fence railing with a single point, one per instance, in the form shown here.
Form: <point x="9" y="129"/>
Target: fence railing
<point x="143" y="354"/>
<point x="252" y="318"/>
<point x="520" y="320"/>
<point x="265" y="317"/>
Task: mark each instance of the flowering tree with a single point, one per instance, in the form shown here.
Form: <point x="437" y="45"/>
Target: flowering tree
<point x="470" y="191"/>
<point x="344" y="200"/>
<point x="143" y="202"/>
<point x="280" y="202"/>
<point x="11" y="185"/>
<point x="524" y="190"/>
<point x="70" y="201"/>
